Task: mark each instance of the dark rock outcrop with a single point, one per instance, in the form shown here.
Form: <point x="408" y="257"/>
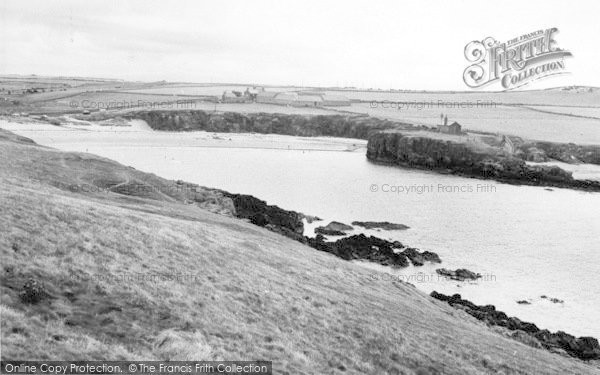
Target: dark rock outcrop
<point x="329" y="232"/>
<point x="394" y="147"/>
<point x="288" y="223"/>
<point x="585" y="348"/>
<point x="419" y="258"/>
<point x="385" y="225"/>
<point x="373" y="249"/>
<point x="460" y="274"/>
<point x="334" y="228"/>
<point x="552" y="299"/>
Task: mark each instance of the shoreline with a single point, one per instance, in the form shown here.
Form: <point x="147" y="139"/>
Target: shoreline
<point x="484" y="157"/>
<point x="250" y="214"/>
<point x="373" y="233"/>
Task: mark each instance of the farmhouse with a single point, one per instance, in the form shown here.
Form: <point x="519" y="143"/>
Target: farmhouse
<point x="233" y="97"/>
<point x="453" y="128"/>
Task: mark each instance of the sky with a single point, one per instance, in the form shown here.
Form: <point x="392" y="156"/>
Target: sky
<point x="416" y="45"/>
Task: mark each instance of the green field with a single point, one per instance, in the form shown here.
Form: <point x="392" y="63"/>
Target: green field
<point x="512" y="120"/>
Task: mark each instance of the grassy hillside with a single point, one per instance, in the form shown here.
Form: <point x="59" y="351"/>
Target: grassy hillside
<point x="153" y="276"/>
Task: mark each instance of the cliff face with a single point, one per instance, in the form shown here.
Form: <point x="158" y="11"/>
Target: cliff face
<point x="346" y="126"/>
<point x="431" y="153"/>
<point x="392" y="147"/>
<point x="459" y="158"/>
<point x="360" y="127"/>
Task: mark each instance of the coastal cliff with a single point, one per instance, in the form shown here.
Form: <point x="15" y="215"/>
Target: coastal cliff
<point x="347" y="126"/>
<point x="462" y="158"/>
<point x="393" y="142"/>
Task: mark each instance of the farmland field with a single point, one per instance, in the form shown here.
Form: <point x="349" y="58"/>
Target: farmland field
<point x="513" y="120"/>
<point x="570" y="114"/>
<point x="242" y="108"/>
<point x="216" y="90"/>
<point x="570" y="111"/>
<point x="537" y="97"/>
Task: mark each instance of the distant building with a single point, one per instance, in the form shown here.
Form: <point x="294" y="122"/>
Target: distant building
<point x="233" y="97"/>
<point x="453" y="128"/>
<point x="251" y="93"/>
<point x="301" y="99"/>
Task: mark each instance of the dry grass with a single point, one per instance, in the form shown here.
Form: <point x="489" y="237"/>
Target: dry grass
<point x="248" y="293"/>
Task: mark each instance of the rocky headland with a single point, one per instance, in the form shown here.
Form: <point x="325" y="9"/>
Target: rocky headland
<point x="461" y="158"/>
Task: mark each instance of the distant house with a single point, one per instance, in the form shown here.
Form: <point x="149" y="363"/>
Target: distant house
<point x="232" y="97"/>
<point x="453" y="128"/>
<point x="251" y="93"/>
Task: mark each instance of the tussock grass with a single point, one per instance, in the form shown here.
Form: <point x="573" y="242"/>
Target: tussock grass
<point x="229" y="290"/>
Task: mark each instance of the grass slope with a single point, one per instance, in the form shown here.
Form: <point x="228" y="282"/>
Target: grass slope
<point x="243" y="292"/>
